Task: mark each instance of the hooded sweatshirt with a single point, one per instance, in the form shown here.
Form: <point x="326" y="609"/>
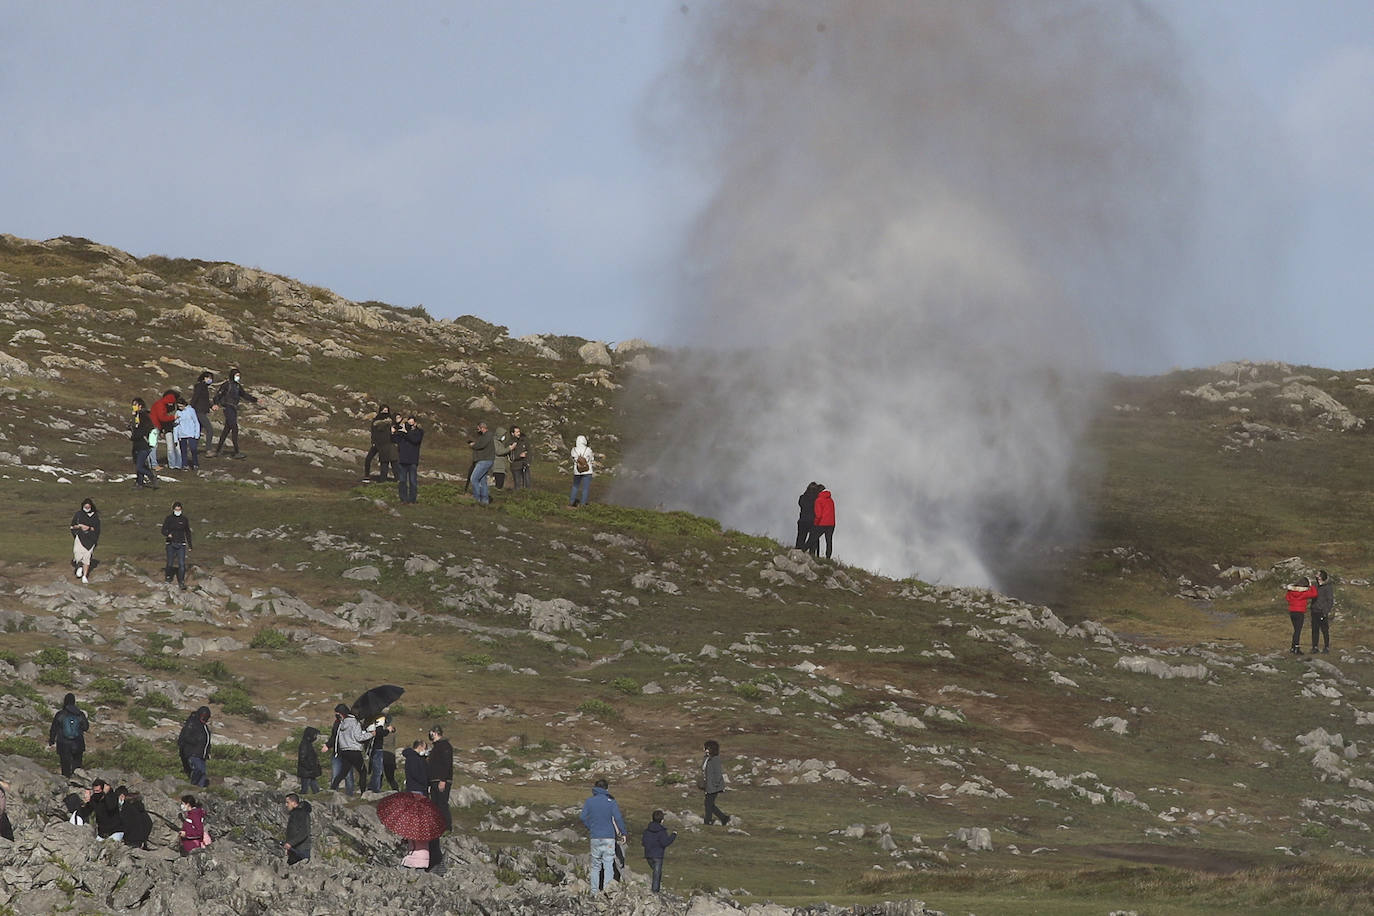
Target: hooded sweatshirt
<point x="352" y="736"/>
<point x="161" y="412"/>
<point x="307" y="759"/>
<point x="602" y="815"/>
<point x="188" y="425"/>
<point x="298" y="829"/>
<point x="1298" y="598"/>
<point x="194" y="740"/>
<point x="69" y="708"/>
<point x="582" y="450"/>
<point x="656" y="839"/>
<point x="825" y="510"/>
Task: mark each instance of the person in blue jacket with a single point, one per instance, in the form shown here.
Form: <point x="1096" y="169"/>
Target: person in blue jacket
<point x="605" y="823"/>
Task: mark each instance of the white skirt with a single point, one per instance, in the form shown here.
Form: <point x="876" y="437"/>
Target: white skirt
<point x="81" y="555"/>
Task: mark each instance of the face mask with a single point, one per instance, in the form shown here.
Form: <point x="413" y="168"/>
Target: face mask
<point x="236" y="378"/>
<point x="89" y="511"/>
<point x="177" y="513"/>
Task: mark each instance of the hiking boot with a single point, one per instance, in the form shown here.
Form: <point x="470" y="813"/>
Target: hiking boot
<point x="1326" y="650"/>
<point x="238" y="455"/>
<point x="182" y="585"/>
<point x="1297" y="650"/>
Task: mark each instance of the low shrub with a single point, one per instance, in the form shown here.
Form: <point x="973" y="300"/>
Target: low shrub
<point x="626" y="685"/>
<point x="270" y="639"/>
<point x="598" y="709"/>
<point x="52" y="657"/>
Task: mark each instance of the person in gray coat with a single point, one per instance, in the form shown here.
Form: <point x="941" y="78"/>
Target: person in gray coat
<point x="712" y="782"/>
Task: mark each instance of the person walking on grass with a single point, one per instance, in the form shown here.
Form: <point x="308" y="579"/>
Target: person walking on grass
<point x="584" y="468"/>
<point x="297" y="843"/>
<point x="176" y="536"/>
<point x="1297" y="597"/>
<point x="187" y="433"/>
<point x="228" y="398"/>
<point x="1320" y="611"/>
<point x="85" y="537"/>
<point x="68" y="733"/>
<point x="656" y="840"/>
<point x="712" y="782"/>
<point x="483" y="457"/>
<point x="606" y="824"/>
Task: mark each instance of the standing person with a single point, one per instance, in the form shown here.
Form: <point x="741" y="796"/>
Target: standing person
<point x="601" y="815"/>
<point x="806" y="516"/>
<point x="712" y="782"/>
<point x="229" y="396"/>
<point x="656" y="840"/>
<point x="407" y="436"/>
<point x="308" y="762"/>
<point x="376" y="753"/>
<point x="187" y="433"/>
<point x="194" y="746"/>
<point x="142" y="436"/>
<point x="337" y="763"/>
<point x="192" y="834"/>
<point x="519" y="459"/>
<point x="440" y="773"/>
<point x="483" y="457"/>
<point x="351" y="738"/>
<point x="6" y="828"/>
<point x="1321" y="609"/>
<point x="85" y="536"/>
<point x="584" y="468"/>
<point x="500" y="465"/>
<point x="68" y="732"/>
<point x="163" y="416"/>
<point x="176" y="534"/>
<point x="417" y="768"/>
<point x="380" y="429"/>
<point x="202" y="402"/>
<point x="297" y="843"/>
<point x="1297" y="597"/>
<point x="824" y="523"/>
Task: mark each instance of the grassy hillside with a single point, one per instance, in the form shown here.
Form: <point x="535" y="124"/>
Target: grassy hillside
<point x="1133" y="745"/>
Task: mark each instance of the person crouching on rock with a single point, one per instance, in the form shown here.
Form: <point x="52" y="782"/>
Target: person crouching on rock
<point x="1297" y="597"/>
<point x="134" y="820"/>
<point x="193" y="833"/>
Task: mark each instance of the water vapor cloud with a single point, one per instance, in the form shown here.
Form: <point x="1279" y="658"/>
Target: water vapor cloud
<point x="930" y="224"/>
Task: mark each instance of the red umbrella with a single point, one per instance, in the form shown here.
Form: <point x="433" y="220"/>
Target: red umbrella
<point x="411" y="816"/>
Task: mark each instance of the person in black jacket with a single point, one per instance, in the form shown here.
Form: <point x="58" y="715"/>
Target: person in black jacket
<point x="6" y="828"/>
<point x="68" y="732"/>
<point x="806" y="518"/>
<point x="135" y="822"/>
<point x="381" y="449"/>
<point x="407" y="435"/>
<point x="139" y="428"/>
<point x="194" y="745"/>
<point x="85" y="536"/>
<point x="176" y="532"/>
<point x="297" y="843"/>
<point x="229" y="396"/>
<point x="519" y="459"/>
<point x="440" y="785"/>
<point x="1319" y="611"/>
<point x="202" y="402"/>
<point x="308" y="762"/>
<point x="417" y="768"/>
<point x="104" y="810"/>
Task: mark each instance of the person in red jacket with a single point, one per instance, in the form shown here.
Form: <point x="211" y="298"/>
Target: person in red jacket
<point x="1297" y="597"/>
<point x="163" y="415"/>
<point x="824" y="523"/>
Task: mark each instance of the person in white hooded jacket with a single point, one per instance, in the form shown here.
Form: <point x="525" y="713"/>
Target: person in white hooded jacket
<point x="584" y="467"/>
<point x="351" y="737"/>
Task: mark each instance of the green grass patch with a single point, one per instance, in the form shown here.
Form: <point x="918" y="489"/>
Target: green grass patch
<point x="626" y="685"/>
<point x="271" y="639"/>
<point x="235" y="701"/>
<point x="52" y="657"/>
<point x="598" y="709"/>
<point x="24" y="746"/>
<point x="57" y="677"/>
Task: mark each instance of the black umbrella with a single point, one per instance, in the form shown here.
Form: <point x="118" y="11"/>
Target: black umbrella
<point x="375" y="700"/>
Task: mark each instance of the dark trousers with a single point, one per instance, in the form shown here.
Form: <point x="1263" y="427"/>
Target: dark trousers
<point x="293" y="856"/>
<point x="69" y="755"/>
<point x="206" y="426"/>
<point x="309" y="785"/>
<point x="367" y="462"/>
<point x="1321" y="625"/>
<point x="6" y="830"/>
<point x="1296" y="617"/>
<point x="803" y="534"/>
<point x="190" y="453"/>
<point x="440" y="799"/>
<point x="352" y="761"/>
<point x="520" y="474"/>
<point x="656" y="873"/>
<point x="500" y="479"/>
<point x="813" y="546"/>
<point x="176" y="562"/>
<point x="407" y="482"/>
<point x="712" y="811"/>
<point x="231" y="429"/>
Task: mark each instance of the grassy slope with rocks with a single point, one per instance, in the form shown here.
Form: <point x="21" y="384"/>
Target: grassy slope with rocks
<point x="1134" y="742"/>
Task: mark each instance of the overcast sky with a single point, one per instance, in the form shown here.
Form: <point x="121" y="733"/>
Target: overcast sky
<point x="490" y="158"/>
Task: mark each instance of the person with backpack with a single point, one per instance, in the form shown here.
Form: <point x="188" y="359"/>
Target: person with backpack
<point x="176" y="535"/>
<point x="584" y="468"/>
<point x="228" y="398"/>
<point x="85" y="536"/>
<point x="68" y="733"/>
<point x="194" y="746"/>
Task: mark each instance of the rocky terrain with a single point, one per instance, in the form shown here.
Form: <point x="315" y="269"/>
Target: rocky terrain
<point x="1133" y="738"/>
